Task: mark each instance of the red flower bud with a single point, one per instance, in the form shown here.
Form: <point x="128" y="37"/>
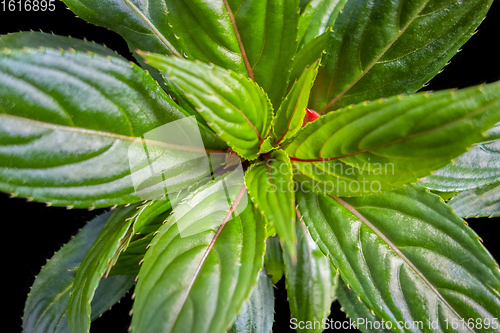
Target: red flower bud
<point x="311" y="115"/>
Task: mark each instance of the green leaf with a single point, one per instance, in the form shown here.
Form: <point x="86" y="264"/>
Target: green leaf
<point x="147" y="221"/>
<point x="307" y="55"/>
<point x="35" y="39"/>
<point x="68" y="117"/>
<point x="267" y="145"/>
<point x="47" y="304"/>
<point x="257" y="313"/>
<point x="203" y="263"/>
<point x="315" y="22"/>
<point x="205" y="32"/>
<point x="271" y="188"/>
<point x="385" y="144"/>
<point x="317" y="19"/>
<point x="290" y="115"/>
<point x="303" y="4"/>
<point x="481" y="201"/>
<point x="144" y="26"/>
<point x="273" y="259"/>
<point x="355" y="310"/>
<point x="112" y="239"/>
<point x="407" y="256"/>
<point x="477" y="167"/>
<point x="128" y="263"/>
<point x="234" y="107"/>
<point x="268" y="31"/>
<point x="387" y="47"/>
<point x="258" y="38"/>
<point x="309" y="283"/>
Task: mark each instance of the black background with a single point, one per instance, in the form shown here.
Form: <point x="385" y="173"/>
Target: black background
<point x="31" y="232"/>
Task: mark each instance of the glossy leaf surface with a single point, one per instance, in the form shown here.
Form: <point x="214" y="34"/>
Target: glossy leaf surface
<point x="143" y="25"/>
<point x="290" y="115"/>
<point x="309" y="282"/>
<point x="270" y="186"/>
<point x="317" y="18"/>
<point x="256" y="38"/>
<point x="257" y="313"/>
<point x="407" y="256"/>
<point x="386" y="47"/>
<point x="355" y="310"/>
<point x="47" y="304"/>
<point x="385" y="144"/>
<point x="315" y="22"/>
<point x="113" y="239"/>
<point x="202" y="264"/>
<point x="146" y="222"/>
<point x="68" y="121"/>
<point x="234" y="107"/>
<point x="478" y="166"/>
<point x="478" y="202"/>
<point x="307" y="55"/>
<point x="268" y="30"/>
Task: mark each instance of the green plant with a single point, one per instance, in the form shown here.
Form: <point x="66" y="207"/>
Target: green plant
<point x="78" y="123"/>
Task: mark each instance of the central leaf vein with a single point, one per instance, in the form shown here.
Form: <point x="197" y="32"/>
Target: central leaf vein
<point x="399" y="253"/>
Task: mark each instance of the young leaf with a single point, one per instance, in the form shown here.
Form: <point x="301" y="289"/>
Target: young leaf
<point x="68" y="122"/>
<point x="257" y="313"/>
<point x="383" y="48"/>
<point x="378" y="146"/>
<point x="112" y="240"/>
<point x="203" y="262"/>
<point x="271" y="188"/>
<point x="477" y="167"/>
<point x="273" y="259"/>
<point x="47" y="304"/>
<point x="407" y="256"/>
<point x="233" y="106"/>
<point x="355" y="310"/>
<point x="307" y="55"/>
<point x="481" y="201"/>
<point x="290" y="115"/>
<point x="309" y="283"/>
